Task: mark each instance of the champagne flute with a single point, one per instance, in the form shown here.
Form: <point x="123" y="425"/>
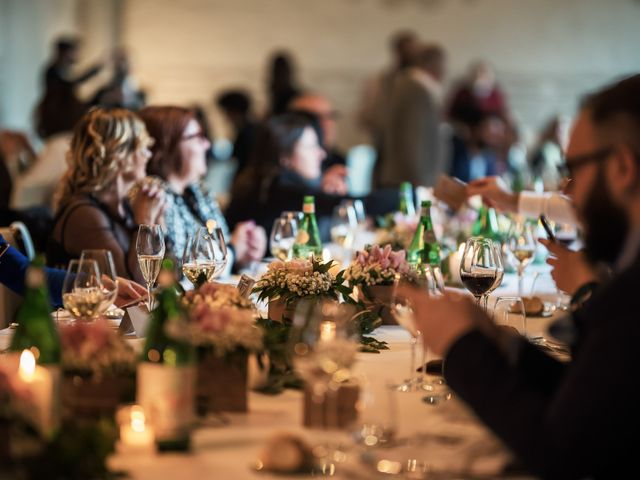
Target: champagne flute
<point x="82" y="291"/>
<point x="521" y="242"/>
<point x="107" y="271"/>
<point x="205" y="256"/>
<point x="150" y="250"/>
<point x="283" y="235"/>
<point x="479" y="266"/>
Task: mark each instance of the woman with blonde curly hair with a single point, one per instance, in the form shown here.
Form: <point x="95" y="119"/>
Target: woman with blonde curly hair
<point x="108" y="155"/>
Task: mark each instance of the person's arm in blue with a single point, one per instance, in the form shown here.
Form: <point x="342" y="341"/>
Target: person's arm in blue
<point x="13" y="268"/>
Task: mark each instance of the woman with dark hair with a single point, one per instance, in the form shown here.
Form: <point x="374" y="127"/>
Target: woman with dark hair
<point x="286" y="165"/>
<point x="179" y="159"/>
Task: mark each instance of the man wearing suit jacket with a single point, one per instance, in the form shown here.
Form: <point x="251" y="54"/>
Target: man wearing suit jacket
<point x="413" y="147"/>
<point x="580" y="419"/>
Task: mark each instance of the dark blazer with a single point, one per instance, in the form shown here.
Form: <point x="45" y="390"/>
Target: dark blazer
<point x="564" y="421"/>
<point x="13" y="268"/>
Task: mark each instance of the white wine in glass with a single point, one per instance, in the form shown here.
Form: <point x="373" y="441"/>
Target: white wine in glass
<point x="521" y="242"/>
<point x="107" y="272"/>
<point x="150" y="250"/>
<point x="205" y="255"/>
<point x="82" y="292"/>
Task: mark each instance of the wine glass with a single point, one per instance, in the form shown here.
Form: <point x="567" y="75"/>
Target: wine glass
<point x="107" y="272"/>
<point x="566" y="233"/>
<point x="82" y="291"/>
<point x="510" y="312"/>
<point x="499" y="273"/>
<point x="521" y="243"/>
<point x="150" y="250"/>
<point x="205" y="255"/>
<point x="402" y="311"/>
<point x="479" y="266"/>
<point x="283" y="235"/>
<point x="323" y="346"/>
<point x="344" y="225"/>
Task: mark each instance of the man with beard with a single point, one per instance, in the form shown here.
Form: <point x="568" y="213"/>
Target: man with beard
<point x="578" y="419"/>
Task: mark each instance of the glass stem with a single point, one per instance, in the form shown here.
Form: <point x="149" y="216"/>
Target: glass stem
<point x="478" y="299"/>
<point x="149" y="300"/>
<point x="520" y="281"/>
<point x="486" y="302"/>
<point x="412" y="371"/>
<point x="423" y="363"/>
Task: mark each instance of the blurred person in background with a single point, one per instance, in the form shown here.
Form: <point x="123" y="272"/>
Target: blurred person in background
<point x="178" y="158"/>
<point x="374" y="104"/>
<point x="547" y="155"/>
<point x="414" y="140"/>
<point x="237" y="109"/>
<point x="109" y="154"/>
<point x="282" y="84"/>
<point x="287" y="165"/>
<point x="320" y="110"/>
<point x="60" y="108"/>
<point x="122" y="90"/>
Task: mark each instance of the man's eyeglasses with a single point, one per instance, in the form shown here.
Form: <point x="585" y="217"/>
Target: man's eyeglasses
<point x="573" y="164"/>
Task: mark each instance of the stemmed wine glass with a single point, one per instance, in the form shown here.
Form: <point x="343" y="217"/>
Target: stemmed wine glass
<point x="402" y="311"/>
<point x="499" y="273"/>
<point x="205" y="255"/>
<point x="82" y="290"/>
<point x="323" y="346"/>
<point x="283" y="235"/>
<point x="107" y="272"/>
<point x="521" y="242"/>
<point x="344" y="226"/>
<point x="479" y="266"/>
<point x="150" y="250"/>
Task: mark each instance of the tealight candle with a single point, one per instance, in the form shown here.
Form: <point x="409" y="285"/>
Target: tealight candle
<point x="134" y="430"/>
<point x="41" y="385"/>
<point x="327" y="331"/>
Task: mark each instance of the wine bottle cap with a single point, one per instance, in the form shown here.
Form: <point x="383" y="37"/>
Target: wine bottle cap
<point x="309" y="199"/>
<point x="405" y="186"/>
<point x="426" y="204"/>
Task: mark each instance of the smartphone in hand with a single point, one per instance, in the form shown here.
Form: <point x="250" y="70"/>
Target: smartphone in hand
<point x="547" y="228"/>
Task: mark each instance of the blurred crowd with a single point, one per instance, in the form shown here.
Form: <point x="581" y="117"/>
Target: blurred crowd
<point x="111" y="162"/>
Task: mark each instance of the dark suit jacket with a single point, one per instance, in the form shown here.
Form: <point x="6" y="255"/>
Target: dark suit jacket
<point x="564" y="421"/>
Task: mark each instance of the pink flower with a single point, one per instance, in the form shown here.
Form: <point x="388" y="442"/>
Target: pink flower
<point x="210" y="320"/>
<point x="85" y="338"/>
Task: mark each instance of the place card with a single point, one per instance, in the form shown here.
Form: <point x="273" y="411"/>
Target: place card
<point x="137" y="319"/>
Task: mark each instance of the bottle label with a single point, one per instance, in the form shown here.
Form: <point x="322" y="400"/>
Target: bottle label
<point x="309" y="208"/>
<point x="167" y="395"/>
<point x="302" y="238"/>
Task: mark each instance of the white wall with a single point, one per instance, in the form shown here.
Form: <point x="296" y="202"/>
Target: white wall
<point x="547" y="52"/>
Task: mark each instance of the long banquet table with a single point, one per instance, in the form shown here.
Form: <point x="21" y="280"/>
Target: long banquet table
<point x="226" y="447"/>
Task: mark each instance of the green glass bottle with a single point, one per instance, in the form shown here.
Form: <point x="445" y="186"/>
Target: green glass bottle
<point x="486" y="225"/>
<point x="308" y="241"/>
<point x="37" y="333"/>
<point x="167" y="372"/>
<point x="406" y="206"/>
<point x="424" y="248"/>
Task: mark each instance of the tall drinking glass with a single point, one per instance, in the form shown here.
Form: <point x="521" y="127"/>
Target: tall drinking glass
<point x="150" y="250"/>
<point x="107" y="272"/>
<point x="82" y="292"/>
<point x="521" y="242"/>
<point x="205" y="255"/>
<point x="283" y="236"/>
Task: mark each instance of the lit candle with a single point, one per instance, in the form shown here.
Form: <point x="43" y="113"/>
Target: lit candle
<point x="134" y="431"/>
<point x="327" y="331"/>
<point x="43" y="408"/>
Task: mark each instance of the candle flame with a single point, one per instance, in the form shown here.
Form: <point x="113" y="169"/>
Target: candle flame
<point x="27" y="367"/>
<point x="137" y="419"/>
<point x="327" y="331"/>
<point x="211" y="225"/>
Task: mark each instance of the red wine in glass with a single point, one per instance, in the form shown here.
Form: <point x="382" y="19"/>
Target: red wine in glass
<point x="478" y="283"/>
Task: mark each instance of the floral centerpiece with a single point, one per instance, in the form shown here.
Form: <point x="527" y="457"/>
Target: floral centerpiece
<point x="221" y="322"/>
<point x="99" y="368"/>
<point x="373" y="273"/>
<point x="285" y="283"/>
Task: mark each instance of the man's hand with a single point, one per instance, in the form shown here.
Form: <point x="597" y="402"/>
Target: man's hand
<point x="495" y="193"/>
<point x="571" y="269"/>
<point x="445" y="318"/>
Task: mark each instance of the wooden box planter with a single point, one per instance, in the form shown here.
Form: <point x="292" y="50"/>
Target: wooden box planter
<point x="325" y="410"/>
<point x="222" y="382"/>
<point x="279" y="312"/>
<point x="380" y="298"/>
<point x="86" y="395"/>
